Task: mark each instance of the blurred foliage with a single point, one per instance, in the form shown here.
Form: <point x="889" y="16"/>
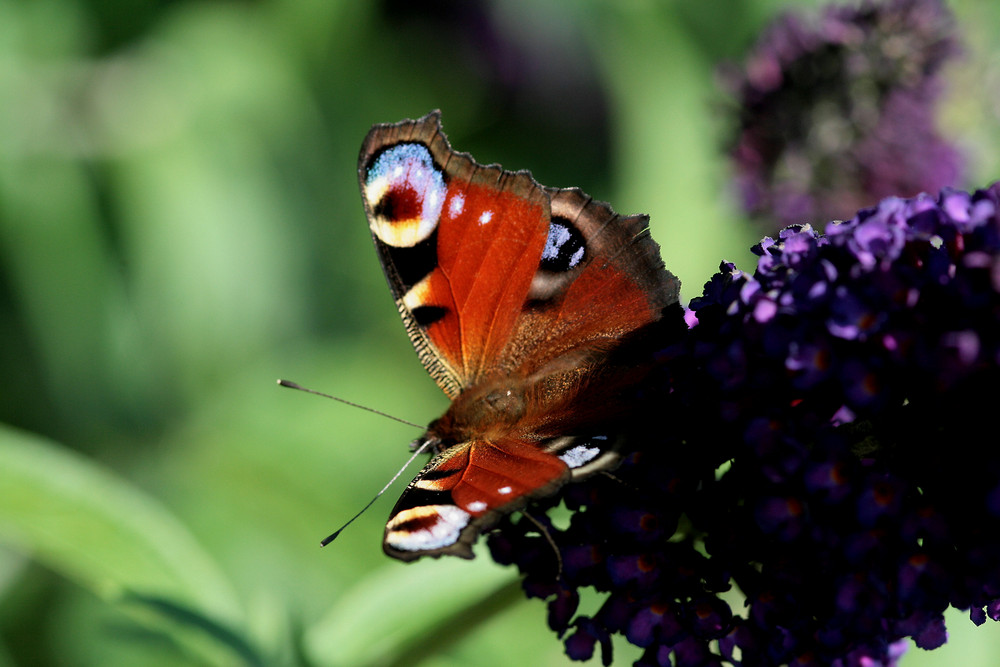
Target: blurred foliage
<point x="180" y="226"/>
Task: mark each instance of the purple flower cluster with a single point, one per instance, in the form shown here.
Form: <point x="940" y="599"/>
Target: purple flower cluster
<point x="839" y="111"/>
<point x="815" y="477"/>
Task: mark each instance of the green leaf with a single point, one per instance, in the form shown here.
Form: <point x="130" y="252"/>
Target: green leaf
<point x="92" y="527"/>
<point x="375" y="623"/>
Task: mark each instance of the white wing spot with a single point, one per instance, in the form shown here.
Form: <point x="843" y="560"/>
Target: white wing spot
<point x="504" y="490"/>
<point x="575" y="259"/>
<point x="456" y="205"/>
<point x="476" y="506"/>
<point x="485" y="217"/>
<point x="579" y="455"/>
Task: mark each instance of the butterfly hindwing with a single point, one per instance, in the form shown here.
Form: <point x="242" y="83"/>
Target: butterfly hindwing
<point x="467" y="488"/>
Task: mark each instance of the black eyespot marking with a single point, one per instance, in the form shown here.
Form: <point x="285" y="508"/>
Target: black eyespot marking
<point x="412" y="264"/>
<point x="565" y="247"/>
<point x="538" y="304"/>
<point x="428" y="315"/>
<point x="399" y="203"/>
<point x="433" y="475"/>
<point x="417" y="497"/>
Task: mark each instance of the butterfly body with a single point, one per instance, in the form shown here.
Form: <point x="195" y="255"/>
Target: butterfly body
<point x="517" y="299"/>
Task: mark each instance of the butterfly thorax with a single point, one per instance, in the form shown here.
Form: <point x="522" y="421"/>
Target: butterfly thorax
<point x="488" y="411"/>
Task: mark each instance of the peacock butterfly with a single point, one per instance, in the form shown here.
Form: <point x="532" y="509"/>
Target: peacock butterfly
<point x="517" y="298"/>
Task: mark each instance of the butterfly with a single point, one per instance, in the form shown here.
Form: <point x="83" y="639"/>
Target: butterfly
<point x="518" y="299"/>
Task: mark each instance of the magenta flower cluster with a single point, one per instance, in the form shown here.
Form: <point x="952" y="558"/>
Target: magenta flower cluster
<point x="814" y="477"/>
<point x="838" y="110"/>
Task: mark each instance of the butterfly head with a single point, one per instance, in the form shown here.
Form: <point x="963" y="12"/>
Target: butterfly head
<point x="426" y="443"/>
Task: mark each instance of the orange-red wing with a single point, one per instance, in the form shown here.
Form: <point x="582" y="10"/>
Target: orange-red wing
<point x="464" y="490"/>
<point x="459" y="242"/>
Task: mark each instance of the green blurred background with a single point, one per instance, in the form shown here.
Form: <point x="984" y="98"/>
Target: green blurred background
<point x="180" y="226"/>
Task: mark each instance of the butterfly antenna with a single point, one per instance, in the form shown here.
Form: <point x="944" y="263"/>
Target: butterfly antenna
<point x="293" y="385"/>
<point x="420" y="450"/>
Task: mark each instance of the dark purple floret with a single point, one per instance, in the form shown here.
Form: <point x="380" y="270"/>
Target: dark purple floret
<point x="838" y="109"/>
<point x="813" y="480"/>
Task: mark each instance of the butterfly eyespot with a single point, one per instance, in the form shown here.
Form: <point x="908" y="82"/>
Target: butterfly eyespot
<point x="579" y="455"/>
<point x="426" y="527"/>
<point x="405" y="191"/>
<point x="563" y="254"/>
<point x="564" y="247"/>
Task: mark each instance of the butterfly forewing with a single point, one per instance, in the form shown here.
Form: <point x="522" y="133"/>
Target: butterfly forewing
<point x="459" y="243"/>
<point x="515" y="297"/>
